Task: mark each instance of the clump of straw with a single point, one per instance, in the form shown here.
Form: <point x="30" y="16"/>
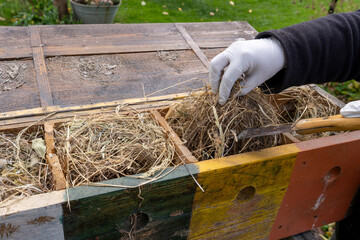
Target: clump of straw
<point x="304" y="102"/>
<point x="210" y="130"/>
<point x="297" y="103"/>
<point x="22" y="166"/>
<point x="110" y="146"/>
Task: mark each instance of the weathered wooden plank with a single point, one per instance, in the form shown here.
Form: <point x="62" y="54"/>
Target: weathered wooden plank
<point x="219" y="34"/>
<point x="63" y="40"/>
<point x="243" y="195"/>
<point x="116" y="38"/>
<point x="94" y="79"/>
<point x="30" y="219"/>
<point x="40" y="68"/>
<point x="15" y="42"/>
<point x="193" y="45"/>
<point x="17" y="86"/>
<point x="52" y="159"/>
<point x="183" y="152"/>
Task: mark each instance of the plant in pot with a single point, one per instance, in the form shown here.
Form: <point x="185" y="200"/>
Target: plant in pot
<point x="95" y="11"/>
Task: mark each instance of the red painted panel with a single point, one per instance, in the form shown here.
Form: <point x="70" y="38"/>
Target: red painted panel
<point x="324" y="180"/>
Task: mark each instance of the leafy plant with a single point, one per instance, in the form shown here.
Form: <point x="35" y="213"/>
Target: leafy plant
<point x="38" y="12"/>
<point x="346" y="92"/>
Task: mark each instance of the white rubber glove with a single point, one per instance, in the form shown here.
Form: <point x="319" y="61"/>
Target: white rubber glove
<point x="351" y="110"/>
<point x="258" y="59"/>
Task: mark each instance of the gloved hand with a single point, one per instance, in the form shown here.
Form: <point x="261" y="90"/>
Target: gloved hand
<point x="258" y="59"/>
<point x="351" y="110"/>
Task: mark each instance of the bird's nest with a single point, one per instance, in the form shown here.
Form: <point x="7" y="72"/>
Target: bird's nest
<point x="24" y="171"/>
<point x="112" y="146"/>
<point x="210" y="130"/>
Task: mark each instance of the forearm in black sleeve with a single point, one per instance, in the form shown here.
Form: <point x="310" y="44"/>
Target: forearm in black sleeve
<point x="326" y="49"/>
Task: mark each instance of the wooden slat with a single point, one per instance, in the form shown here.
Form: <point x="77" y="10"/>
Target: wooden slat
<point x="52" y="159"/>
<point x="134" y="101"/>
<point x="70" y="40"/>
<point x="327" y="95"/>
<point x="181" y="150"/>
<point x="15" y="43"/>
<point x="193" y="45"/>
<point x="219" y="34"/>
<point x="130" y="76"/>
<point x="40" y="68"/>
<point x="115" y="38"/>
<point x="21" y="91"/>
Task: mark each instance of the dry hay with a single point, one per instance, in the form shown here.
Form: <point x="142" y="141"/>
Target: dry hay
<point x="110" y="146"/>
<point x="22" y="165"/>
<point x="210" y="130"/>
<point x="304" y="102"/>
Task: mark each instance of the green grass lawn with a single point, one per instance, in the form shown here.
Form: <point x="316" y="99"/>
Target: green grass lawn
<point x="262" y="15"/>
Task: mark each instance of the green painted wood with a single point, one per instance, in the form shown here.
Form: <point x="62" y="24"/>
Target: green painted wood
<point x="104" y="213"/>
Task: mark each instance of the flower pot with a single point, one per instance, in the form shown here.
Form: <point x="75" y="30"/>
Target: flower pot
<point x="94" y="14"/>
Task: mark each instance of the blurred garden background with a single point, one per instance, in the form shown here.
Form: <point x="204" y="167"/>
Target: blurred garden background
<point x="262" y="15"/>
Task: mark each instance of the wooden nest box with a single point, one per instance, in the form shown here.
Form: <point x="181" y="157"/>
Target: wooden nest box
<point x="49" y="74"/>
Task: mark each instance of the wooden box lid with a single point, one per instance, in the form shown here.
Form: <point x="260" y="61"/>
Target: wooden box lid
<point x="71" y="65"/>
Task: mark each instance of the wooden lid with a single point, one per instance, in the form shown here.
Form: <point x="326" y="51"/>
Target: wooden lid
<point x="64" y="66"/>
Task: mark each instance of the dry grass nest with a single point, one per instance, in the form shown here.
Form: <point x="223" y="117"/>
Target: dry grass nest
<point x="24" y="171"/>
<point x="111" y="146"/>
<point x="209" y="130"/>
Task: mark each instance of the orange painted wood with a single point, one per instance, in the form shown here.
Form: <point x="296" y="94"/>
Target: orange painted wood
<point x="52" y="158"/>
<point x="324" y="180"/>
<point x="182" y="151"/>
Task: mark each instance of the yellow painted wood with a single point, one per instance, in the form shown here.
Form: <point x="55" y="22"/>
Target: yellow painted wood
<point x="223" y="211"/>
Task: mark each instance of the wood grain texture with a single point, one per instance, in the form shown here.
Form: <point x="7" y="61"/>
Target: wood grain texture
<point x="325" y="178"/>
<point x="167" y="203"/>
<point x="223" y="211"/>
<point x="40" y="68"/>
<point x="51" y="157"/>
<point x="94" y="79"/>
<point x="219" y="34"/>
<point x="193" y="44"/>
<point x="15" y="42"/>
<point x="182" y="151"/>
<point x="18" y="93"/>
<point x="115" y="38"/>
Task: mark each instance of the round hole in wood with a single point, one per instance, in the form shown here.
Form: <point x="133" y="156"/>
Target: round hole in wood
<point x="135" y="221"/>
<point x="333" y="174"/>
<point x="246" y="193"/>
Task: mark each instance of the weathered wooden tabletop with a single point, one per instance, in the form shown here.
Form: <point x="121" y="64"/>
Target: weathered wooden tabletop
<point x="69" y="65"/>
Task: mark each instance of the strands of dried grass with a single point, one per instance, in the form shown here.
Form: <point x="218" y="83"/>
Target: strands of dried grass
<point x="24" y="171"/>
<point x="297" y="103"/>
<point x="110" y="146"/>
<point x="303" y="102"/>
<point x="210" y="129"/>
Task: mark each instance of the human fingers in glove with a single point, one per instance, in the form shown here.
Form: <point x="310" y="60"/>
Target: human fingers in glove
<point x="258" y="59"/>
<point x="322" y="50"/>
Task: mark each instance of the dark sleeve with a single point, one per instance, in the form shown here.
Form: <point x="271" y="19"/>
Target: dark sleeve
<point x="323" y="50"/>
